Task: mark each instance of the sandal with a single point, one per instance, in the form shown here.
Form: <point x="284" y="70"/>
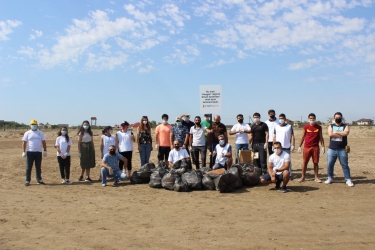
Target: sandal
<point x="318" y="180"/>
<point x="301" y="180"/>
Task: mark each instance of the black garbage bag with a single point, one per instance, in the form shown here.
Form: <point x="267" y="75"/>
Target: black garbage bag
<point x="250" y="175"/>
<point x="177" y="164"/>
<point x="186" y="163"/>
<point x="181" y="186"/>
<point x="146" y="170"/>
<point x="208" y="183"/>
<point x="237" y="171"/>
<point x="180" y="171"/>
<point x="155" y="180"/>
<point x="193" y="179"/>
<point x="226" y="182"/>
<point x="136" y="179"/>
<point x="204" y="170"/>
<point x="168" y="181"/>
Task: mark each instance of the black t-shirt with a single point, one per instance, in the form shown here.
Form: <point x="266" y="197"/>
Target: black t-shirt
<point x="259" y="132"/>
<point x="188" y="124"/>
<point x="218" y="130"/>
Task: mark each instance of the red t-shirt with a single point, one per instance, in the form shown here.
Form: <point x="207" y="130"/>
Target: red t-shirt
<point x="312" y="135"/>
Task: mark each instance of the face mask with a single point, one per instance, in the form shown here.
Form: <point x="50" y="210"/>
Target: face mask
<point x="240" y="120"/>
<point x="312" y="122"/>
<point x="217" y="123"/>
<point x="221" y="142"/>
<point x="64" y="132"/>
<point x="197" y="123"/>
<point x="177" y="147"/>
<point x="281" y="121"/>
<point x="34" y="127"/>
<point x="144" y="122"/>
<point x="338" y="120"/>
<point x="272" y="117"/>
<point x="110" y="132"/>
<point x="278" y="151"/>
<point x="123" y="127"/>
<point x="86" y="127"/>
<point x="112" y="152"/>
<point x="165" y="121"/>
<point x="256" y="120"/>
<point x="178" y="124"/>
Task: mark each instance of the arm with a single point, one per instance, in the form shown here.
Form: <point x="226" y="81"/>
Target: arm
<point x="132" y="136"/>
<point x="124" y="160"/>
<point x="186" y="141"/>
<point x="79" y="143"/>
<point x="170" y="163"/>
<point x="274" y="138"/>
<point x="343" y="133"/>
<point x="44" y="145"/>
<point x="171" y="137"/>
<point x="105" y="165"/>
<point x="138" y="140"/>
<point x="284" y="167"/>
<point x="24" y="146"/>
<point x="293" y="140"/>
<point x="116" y="143"/>
<point x="303" y="137"/>
<point x="101" y="147"/>
<point x="250" y="138"/>
<point x="267" y="136"/>
<point x="191" y="140"/>
<point x="321" y="138"/>
<point x="225" y="137"/>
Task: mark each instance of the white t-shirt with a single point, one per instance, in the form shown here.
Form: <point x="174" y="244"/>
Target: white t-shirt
<point x="284" y="135"/>
<point x="86" y="137"/>
<point x="278" y="160"/>
<point x="199" y="138"/>
<point x="108" y="141"/>
<point x="271" y="128"/>
<point x="175" y="155"/>
<point x="125" y="142"/>
<point x="34" y="140"/>
<point x="241" y="138"/>
<point x="222" y="150"/>
<point x="61" y="142"/>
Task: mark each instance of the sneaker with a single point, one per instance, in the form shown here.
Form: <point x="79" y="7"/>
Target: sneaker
<point x="68" y="182"/>
<point x="103" y="185"/>
<point x="41" y="182"/>
<point x="115" y="184"/>
<point x="328" y="181"/>
<point x="349" y="183"/>
<point x="63" y="182"/>
<point x="284" y="190"/>
<point x="80" y="178"/>
<point x="88" y="179"/>
<point x="27" y="183"/>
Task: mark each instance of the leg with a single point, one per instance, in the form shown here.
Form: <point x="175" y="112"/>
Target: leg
<point x="104" y="172"/>
<point x="316" y="170"/>
<point x="121" y="163"/>
<point x="290" y="166"/>
<point x="343" y="158"/>
<point x="142" y="154"/>
<point x="255" y="150"/>
<point x="238" y="146"/>
<point x="148" y="153"/>
<point x="166" y="154"/>
<point x="305" y="160"/>
<point x="331" y="159"/>
<point x="67" y="167"/>
<point x="203" y="151"/>
<point x="29" y="165"/>
<point x="266" y="179"/>
<point x="315" y="159"/>
<point x="60" y="160"/>
<point x="160" y="154"/>
<point x="38" y="166"/>
<point x="285" y="176"/>
<point x="196" y="157"/>
<point x="270" y="152"/>
<point x="262" y="158"/>
<point x="129" y="163"/>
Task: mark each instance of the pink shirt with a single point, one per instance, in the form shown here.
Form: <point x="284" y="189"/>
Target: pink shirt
<point x="164" y="132"/>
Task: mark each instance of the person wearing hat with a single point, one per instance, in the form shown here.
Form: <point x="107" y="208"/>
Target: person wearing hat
<point x="180" y="133"/>
<point x="124" y="145"/>
<point x="185" y="120"/>
<point x="32" y="142"/>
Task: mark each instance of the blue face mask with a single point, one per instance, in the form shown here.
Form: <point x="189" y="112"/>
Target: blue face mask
<point x="64" y="132"/>
<point x="34" y="127"/>
<point x="221" y="142"/>
<point x="86" y="127"/>
<point x="178" y="124"/>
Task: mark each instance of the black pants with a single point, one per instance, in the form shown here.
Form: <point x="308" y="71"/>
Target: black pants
<point x="32" y="157"/>
<point x="128" y="155"/>
<point x="163" y="153"/>
<point x="270" y="152"/>
<point x="64" y="165"/>
<point x="262" y="159"/>
<point x="202" y="150"/>
<point x="211" y="148"/>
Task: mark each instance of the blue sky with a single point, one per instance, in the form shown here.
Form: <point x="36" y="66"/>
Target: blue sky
<point x="65" y="61"/>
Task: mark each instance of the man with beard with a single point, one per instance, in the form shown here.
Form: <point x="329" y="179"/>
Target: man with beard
<point x="271" y="123"/>
<point x="214" y="130"/>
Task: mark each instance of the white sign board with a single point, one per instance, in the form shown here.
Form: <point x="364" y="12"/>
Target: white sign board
<point x="210" y="99"/>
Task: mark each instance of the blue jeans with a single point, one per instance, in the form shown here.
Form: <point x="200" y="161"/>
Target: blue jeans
<point x="34" y="157"/>
<point x="290" y="166"/>
<point x="117" y="174"/>
<point x="332" y="155"/>
<point x="145" y="153"/>
<point x="241" y="146"/>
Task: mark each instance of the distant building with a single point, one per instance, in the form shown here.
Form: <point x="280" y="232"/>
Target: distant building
<point x="364" y="121"/>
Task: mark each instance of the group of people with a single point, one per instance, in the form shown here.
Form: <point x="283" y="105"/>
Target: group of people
<point x="191" y="139"/>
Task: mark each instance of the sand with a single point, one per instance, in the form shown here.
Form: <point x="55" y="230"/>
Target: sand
<point x="87" y="216"/>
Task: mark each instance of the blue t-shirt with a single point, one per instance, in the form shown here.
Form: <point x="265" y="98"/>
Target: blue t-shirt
<point x="180" y="133"/>
<point x="112" y="161"/>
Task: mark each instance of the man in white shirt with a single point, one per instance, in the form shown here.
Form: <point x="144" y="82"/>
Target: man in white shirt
<point x="197" y="142"/>
<point x="223" y="153"/>
<point x="278" y="168"/>
<point x="241" y="130"/>
<point x="177" y="153"/>
<point x="284" y="134"/>
<point x="32" y="143"/>
<point x="271" y="123"/>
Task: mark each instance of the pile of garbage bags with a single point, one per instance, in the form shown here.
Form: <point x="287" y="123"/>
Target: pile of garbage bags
<point x="182" y="178"/>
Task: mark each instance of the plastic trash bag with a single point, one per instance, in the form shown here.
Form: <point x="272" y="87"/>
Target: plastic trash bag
<point x="237" y="171"/>
<point x="204" y="170"/>
<point x="168" y="181"/>
<point x="155" y="180"/>
<point x="193" y="179"/>
<point x="226" y="182"/>
<point x="181" y="186"/>
<point x="208" y="183"/>
<point x="250" y="175"/>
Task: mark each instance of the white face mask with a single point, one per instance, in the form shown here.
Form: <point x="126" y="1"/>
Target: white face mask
<point x="257" y="120"/>
<point x="165" y="121"/>
<point x="144" y="122"/>
<point x="312" y="122"/>
<point x="110" y="132"/>
<point x="278" y="151"/>
<point x="281" y="121"/>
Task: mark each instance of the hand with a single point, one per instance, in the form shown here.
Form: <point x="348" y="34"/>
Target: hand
<point x="65" y="155"/>
<point x="24" y="154"/>
<point x="323" y="150"/>
<point x="139" y="148"/>
<point x="299" y="150"/>
<point x="292" y="148"/>
<point x="110" y="170"/>
<point x="183" y="146"/>
<point x="45" y="153"/>
<point x="62" y="156"/>
<point x="273" y="178"/>
<point x="156" y="146"/>
<point x="265" y="146"/>
<point x="79" y="155"/>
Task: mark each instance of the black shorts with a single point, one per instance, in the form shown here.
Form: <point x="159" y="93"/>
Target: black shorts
<point x="163" y="153"/>
<point x="267" y="177"/>
<point x="128" y="155"/>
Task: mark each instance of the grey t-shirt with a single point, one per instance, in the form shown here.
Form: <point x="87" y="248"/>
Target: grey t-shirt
<point x="198" y="136"/>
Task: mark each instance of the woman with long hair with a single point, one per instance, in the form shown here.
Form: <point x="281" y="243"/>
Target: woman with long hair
<point x="62" y="145"/>
<point x="106" y="141"/>
<point x="144" y="140"/>
<point x="86" y="150"/>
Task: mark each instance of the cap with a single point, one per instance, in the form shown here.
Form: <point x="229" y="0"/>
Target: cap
<point x="206" y="114"/>
<point x="124" y="123"/>
<point x="178" y="118"/>
<point x="33" y="122"/>
<point x="187" y="115"/>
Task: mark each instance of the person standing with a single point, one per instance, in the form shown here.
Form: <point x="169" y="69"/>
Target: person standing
<point x="163" y="142"/>
<point x="86" y="150"/>
<point x="311" y="135"/>
<point x="241" y="130"/>
<point x="185" y="120"/>
<point x="124" y="145"/>
<point x="197" y="142"/>
<point x="214" y="130"/>
<point x="338" y="140"/>
<point x="259" y="141"/>
<point x="62" y="145"/>
<point x="32" y="142"/>
<point x="207" y="123"/>
<point x="144" y="140"/>
<point x="271" y="123"/>
<point x="180" y="133"/>
<point x="106" y="140"/>
<point x="284" y="134"/>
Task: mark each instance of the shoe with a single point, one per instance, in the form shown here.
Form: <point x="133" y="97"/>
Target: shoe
<point x="27" y="183"/>
<point x="103" y="185"/>
<point x="80" y="178"/>
<point x="88" y="179"/>
<point x="63" y="182"/>
<point x="68" y="182"/>
<point x="349" y="183"/>
<point x="115" y="184"/>
<point x="284" y="190"/>
<point x="41" y="182"/>
<point x="328" y="181"/>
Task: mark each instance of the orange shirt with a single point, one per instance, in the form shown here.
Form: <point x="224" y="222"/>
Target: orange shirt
<point x="164" y="132"/>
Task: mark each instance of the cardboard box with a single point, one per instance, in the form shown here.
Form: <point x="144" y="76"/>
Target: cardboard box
<point x="246" y="156"/>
